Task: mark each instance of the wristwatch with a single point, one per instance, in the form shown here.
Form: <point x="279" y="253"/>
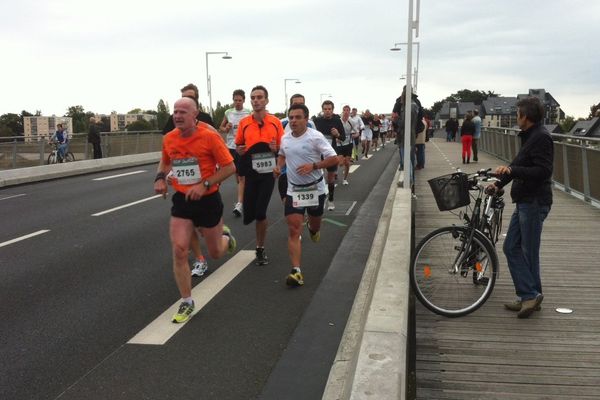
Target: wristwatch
<point x="206" y="184"/>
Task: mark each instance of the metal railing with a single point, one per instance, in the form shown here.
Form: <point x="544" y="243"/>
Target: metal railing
<point x="16" y="153"/>
<point x="576" y="159"/>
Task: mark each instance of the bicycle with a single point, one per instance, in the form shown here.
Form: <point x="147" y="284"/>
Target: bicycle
<point x="454" y="268"/>
<point x="54" y="157"/>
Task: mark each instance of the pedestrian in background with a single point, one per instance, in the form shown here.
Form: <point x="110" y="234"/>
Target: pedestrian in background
<point x="451" y="128"/>
<point x="476" y="135"/>
<point x="94" y="137"/>
<point x="466" y="137"/>
<point x="420" y="146"/>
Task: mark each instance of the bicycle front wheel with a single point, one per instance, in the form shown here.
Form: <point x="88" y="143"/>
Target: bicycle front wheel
<point x="52" y="159"/>
<point x="451" y="277"/>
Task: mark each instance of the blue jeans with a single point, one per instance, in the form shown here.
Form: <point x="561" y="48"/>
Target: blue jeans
<point x="522" y="248"/>
<point x="62" y="150"/>
<point x="420" y="155"/>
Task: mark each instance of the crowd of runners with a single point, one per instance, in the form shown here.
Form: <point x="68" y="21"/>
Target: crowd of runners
<point x="305" y="157"/>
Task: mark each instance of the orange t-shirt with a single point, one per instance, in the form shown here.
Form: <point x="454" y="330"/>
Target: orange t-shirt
<point x="194" y="158"/>
<point x="250" y="132"/>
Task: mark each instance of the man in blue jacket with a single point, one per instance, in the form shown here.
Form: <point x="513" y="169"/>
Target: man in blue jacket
<point x="531" y="176"/>
<point x="62" y="141"/>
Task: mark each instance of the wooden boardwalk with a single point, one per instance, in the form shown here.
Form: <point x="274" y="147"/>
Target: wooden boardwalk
<point x="491" y="354"/>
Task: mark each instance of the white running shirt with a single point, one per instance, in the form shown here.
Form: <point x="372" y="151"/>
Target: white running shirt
<point x="234" y="117"/>
<point x="305" y="149"/>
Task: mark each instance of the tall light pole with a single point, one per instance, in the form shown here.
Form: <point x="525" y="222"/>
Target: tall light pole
<point x="208" y="82"/>
<point x="323" y="94"/>
<point x="285" y="81"/>
<point x="396" y="48"/>
<point x="413" y="25"/>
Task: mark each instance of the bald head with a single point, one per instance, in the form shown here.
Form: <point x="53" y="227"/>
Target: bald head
<point x="186" y="102"/>
<point x="184" y="114"/>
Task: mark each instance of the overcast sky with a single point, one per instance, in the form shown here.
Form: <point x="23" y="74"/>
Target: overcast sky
<point x="118" y="55"/>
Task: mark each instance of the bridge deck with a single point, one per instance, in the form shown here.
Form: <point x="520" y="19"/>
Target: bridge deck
<point x="491" y="354"/>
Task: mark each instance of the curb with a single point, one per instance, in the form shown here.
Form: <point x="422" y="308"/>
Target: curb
<point x="20" y="176"/>
<point x="371" y="358"/>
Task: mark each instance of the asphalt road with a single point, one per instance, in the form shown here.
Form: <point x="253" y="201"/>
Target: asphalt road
<point x="72" y="297"/>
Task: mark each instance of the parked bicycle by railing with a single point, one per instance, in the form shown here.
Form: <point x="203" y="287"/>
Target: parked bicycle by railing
<point x="55" y="155"/>
<point x="455" y="267"/>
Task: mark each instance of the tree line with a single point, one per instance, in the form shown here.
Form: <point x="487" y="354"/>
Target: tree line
<point x="11" y="124"/>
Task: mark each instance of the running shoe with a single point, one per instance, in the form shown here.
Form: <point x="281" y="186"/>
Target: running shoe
<point x="330" y="206"/>
<point x="295" y="279"/>
<point x="199" y="267"/>
<point x="345" y="183"/>
<point x="315" y="237"/>
<point x="185" y="311"/>
<point x="237" y="209"/>
<point x="261" y="256"/>
<point x="232" y="242"/>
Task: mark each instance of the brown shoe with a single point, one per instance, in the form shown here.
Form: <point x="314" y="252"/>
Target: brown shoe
<point x="516" y="306"/>
<point x="529" y="306"/>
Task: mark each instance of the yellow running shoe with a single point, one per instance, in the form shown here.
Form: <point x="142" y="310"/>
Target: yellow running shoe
<point x="185" y="311"/>
<point x="316" y="236"/>
<point x="295" y="278"/>
<point x="232" y="241"/>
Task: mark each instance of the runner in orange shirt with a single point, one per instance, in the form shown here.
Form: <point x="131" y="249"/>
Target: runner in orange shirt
<point x="257" y="141"/>
<point x="200" y="264"/>
<point x="192" y="152"/>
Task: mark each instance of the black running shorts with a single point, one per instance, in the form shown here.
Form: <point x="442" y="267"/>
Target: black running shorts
<point x="282" y="185"/>
<point x="345" y="150"/>
<point x="315" y="211"/>
<point x="205" y="213"/>
<point x="257" y="194"/>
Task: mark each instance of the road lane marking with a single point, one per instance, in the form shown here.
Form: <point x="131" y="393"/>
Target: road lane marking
<point x="354" y="168"/>
<point x="118" y="176"/>
<point x="351" y="208"/>
<point x="159" y="331"/>
<point x="12" y="197"/>
<point x="334" y="222"/>
<point x="24" y="237"/>
<point x="126" y="205"/>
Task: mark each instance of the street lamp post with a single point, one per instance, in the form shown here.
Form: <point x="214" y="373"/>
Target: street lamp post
<point x="208" y="81"/>
<point x="416" y="75"/>
<point x="285" y="81"/>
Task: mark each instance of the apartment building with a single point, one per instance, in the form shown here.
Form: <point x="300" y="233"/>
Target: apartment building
<point x="41" y="128"/>
<point x="118" y="122"/>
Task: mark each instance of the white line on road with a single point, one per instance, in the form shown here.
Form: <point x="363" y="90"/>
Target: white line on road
<point x="351" y="208"/>
<point x="24" y="237"/>
<point x="126" y="205"/>
<point x="159" y="331"/>
<point x="118" y="176"/>
<point x="12" y="197"/>
<point x="354" y="168"/>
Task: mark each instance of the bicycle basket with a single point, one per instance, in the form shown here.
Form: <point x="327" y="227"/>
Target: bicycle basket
<point x="450" y="191"/>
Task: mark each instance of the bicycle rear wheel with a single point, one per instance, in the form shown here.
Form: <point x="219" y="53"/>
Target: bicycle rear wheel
<point x="451" y="278"/>
<point x="69" y="157"/>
